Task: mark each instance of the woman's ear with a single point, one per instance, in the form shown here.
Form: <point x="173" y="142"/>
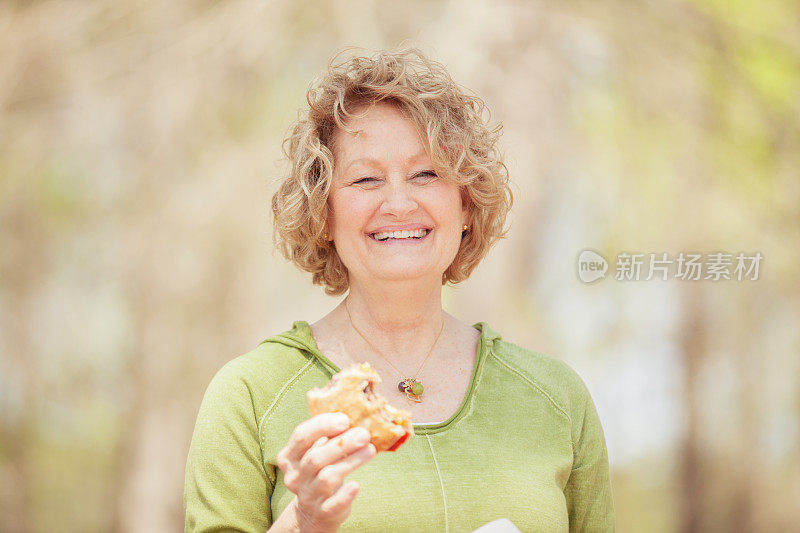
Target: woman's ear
<point x="329" y="223"/>
<point x="466" y="207"/>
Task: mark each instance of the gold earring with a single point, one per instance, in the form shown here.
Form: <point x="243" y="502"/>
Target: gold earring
<point x="325" y="236"/>
<point x="465" y="228"/>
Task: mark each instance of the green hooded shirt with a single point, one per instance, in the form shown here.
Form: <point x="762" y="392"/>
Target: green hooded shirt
<point x="525" y="444"/>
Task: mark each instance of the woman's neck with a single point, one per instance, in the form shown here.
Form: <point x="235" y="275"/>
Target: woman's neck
<point x="396" y="308"/>
<point x="396" y="318"/>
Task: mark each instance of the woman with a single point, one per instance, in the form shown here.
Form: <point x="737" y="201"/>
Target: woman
<point x="396" y="188"/>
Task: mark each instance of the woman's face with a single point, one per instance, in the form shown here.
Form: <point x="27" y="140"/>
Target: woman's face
<point x="391" y="217"/>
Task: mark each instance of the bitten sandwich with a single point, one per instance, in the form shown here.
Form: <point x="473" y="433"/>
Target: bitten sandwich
<point x="352" y="392"/>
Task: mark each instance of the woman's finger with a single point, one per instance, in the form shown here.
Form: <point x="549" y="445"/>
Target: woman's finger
<point x="330" y="477"/>
<point x="319" y="442"/>
<point x="309" y="431"/>
<point x="334" y="450"/>
<point x="338" y="505"/>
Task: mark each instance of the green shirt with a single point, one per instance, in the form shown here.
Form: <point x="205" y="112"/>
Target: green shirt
<point x="526" y="444"/>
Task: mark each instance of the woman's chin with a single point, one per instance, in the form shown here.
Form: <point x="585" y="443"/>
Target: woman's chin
<point x="400" y="272"/>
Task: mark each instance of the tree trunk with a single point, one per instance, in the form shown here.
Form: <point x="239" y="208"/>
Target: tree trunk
<point x="693" y="335"/>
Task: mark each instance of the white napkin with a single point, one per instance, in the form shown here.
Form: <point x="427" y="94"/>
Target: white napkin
<point x="501" y="525"/>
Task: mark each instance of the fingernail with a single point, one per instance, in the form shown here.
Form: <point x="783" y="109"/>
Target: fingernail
<point x="361" y="436"/>
<point x="342" y="422"/>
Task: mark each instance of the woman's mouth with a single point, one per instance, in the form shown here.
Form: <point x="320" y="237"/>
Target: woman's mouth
<point x="403" y="235"/>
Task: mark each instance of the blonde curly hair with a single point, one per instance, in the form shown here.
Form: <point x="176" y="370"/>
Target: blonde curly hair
<point x="460" y="144"/>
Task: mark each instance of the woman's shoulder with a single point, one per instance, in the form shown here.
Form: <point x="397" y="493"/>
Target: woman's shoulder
<point x="559" y="382"/>
<point x="262" y="371"/>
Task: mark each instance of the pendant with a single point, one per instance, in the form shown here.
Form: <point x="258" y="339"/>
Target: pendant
<point x="413" y="389"/>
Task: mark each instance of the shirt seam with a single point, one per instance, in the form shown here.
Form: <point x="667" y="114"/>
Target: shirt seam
<point x="441" y="483"/>
<point x="534" y="385"/>
<point x="271" y="409"/>
<point x="260" y="447"/>
<point x="468" y="405"/>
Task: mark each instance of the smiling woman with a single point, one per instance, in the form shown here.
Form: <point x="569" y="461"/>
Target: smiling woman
<point x="396" y="188"/>
<point x="450" y="134"/>
<point x="390" y="216"/>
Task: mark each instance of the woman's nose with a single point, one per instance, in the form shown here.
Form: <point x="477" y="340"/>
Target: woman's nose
<point x="399" y="199"/>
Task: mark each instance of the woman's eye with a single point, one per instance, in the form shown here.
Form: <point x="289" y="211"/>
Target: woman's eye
<point x="365" y="181"/>
<point x="426" y="176"/>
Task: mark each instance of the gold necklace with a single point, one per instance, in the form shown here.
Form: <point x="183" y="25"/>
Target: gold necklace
<point x="411" y="386"/>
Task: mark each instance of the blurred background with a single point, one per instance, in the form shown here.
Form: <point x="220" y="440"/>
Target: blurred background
<point x="140" y="146"/>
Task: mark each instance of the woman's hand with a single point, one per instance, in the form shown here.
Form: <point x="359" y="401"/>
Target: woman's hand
<point x="320" y="453"/>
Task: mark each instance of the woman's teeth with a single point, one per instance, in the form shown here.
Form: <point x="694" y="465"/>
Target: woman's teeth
<point x="405" y="234"/>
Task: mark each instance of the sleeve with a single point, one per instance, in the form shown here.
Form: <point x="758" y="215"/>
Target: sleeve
<point x="588" y="489"/>
<point x="226" y="487"/>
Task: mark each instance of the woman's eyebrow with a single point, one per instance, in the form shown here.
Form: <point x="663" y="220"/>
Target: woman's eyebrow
<point x="363" y="161"/>
<point x="377" y="163"/>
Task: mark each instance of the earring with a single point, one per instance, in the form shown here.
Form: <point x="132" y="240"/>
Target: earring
<point x="465" y="228"/>
<point x="325" y="236"/>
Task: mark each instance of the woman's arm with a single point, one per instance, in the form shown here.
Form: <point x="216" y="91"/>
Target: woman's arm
<point x="588" y="490"/>
<point x="287" y="522"/>
<point x="226" y="486"/>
